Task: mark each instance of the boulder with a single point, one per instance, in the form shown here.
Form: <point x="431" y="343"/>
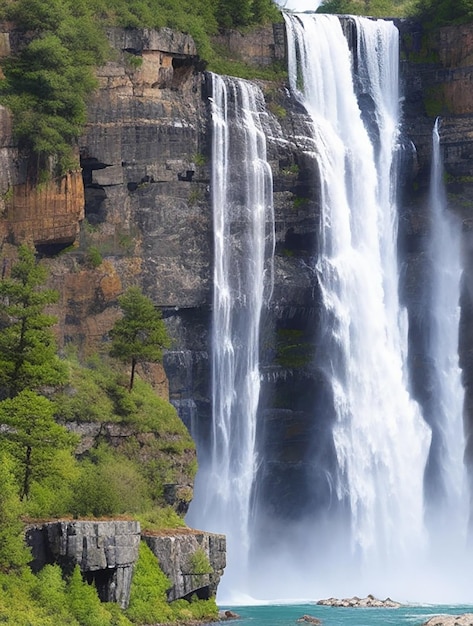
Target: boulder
<point x="310" y="619"/>
<point x="450" y="620"/>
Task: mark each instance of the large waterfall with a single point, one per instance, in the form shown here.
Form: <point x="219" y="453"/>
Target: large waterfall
<point x="396" y="519"/>
<point x="380" y="437"/>
<point x="244" y="246"/>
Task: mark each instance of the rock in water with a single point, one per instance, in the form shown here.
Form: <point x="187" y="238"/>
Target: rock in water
<point x="311" y="619"/>
<point x="450" y="620"/>
<point x="369" y="602"/>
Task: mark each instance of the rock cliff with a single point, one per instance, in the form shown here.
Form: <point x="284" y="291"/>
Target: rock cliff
<point x="106" y="553"/>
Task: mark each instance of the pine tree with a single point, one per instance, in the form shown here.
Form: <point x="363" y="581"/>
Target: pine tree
<point x="31" y="436"/>
<point x="140" y="335"/>
<point x="28" y="358"/>
<point x="13" y="551"/>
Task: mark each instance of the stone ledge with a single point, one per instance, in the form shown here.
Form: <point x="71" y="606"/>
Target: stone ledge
<point x="106" y="553"/>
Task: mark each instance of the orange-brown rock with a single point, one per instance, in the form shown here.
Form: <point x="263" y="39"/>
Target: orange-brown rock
<point x="49" y="212"/>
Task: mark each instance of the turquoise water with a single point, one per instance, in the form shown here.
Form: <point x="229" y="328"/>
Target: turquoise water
<point x="288" y="614"/>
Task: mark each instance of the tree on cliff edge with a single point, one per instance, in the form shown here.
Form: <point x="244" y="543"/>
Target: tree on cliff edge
<point x="140" y="335"/>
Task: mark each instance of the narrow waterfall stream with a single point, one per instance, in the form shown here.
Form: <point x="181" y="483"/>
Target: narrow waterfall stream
<point x="445" y="478"/>
<point x="244" y="247"/>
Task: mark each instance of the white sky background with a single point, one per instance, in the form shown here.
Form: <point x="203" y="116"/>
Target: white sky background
<point x="300" y="5"/>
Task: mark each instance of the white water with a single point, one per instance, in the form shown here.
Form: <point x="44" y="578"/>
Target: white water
<point x="382" y="442"/>
<point x="380" y="437"/>
<point x="450" y="504"/>
<point x="243" y="255"/>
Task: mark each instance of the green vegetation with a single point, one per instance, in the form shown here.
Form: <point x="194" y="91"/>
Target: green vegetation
<point x="140" y="335"/>
<point x="376" y="8"/>
<point x="93" y="257"/>
<point x="148" y="603"/>
<point x="199" y="563"/>
<point x="44" y="474"/>
<point x="433" y="13"/>
<point x="28" y="358"/>
<point x="436" y="13"/>
<point x="293" y="348"/>
<point x="31" y="436"/>
<point x="48" y="82"/>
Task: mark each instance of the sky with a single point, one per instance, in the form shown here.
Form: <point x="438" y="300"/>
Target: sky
<point x="300" y="5"/>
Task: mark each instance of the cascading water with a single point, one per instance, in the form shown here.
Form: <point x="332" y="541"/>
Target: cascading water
<point x="448" y="493"/>
<point x="244" y="247"/>
<point x="378" y="537"/>
<point x="380" y="437"/>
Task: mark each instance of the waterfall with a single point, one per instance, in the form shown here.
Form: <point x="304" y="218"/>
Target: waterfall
<point x="446" y="487"/>
<point x="243" y="276"/>
<point x="380" y="437"/>
<point x="392" y="519"/>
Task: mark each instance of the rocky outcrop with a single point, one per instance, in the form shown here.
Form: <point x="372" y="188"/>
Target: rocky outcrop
<point x="106" y="552"/>
<point x="149" y="447"/>
<point x="450" y="620"/>
<point x="369" y="602"/>
<point x="193" y="560"/>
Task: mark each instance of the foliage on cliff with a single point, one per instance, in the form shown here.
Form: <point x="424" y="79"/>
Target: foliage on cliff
<point x="436" y="13"/>
<point x="28" y="358"/>
<point x="47" y="83"/>
<point x="376" y="8"/>
<point x="433" y="13"/>
<point x="140" y="335"/>
<point x="139" y="446"/>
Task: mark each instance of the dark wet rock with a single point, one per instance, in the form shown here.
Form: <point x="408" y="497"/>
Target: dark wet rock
<point x="310" y="619"/>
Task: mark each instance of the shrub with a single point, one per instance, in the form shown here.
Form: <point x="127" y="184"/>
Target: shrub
<point x="148" y="600"/>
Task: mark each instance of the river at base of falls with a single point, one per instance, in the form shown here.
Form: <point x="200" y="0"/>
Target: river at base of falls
<point x="289" y="614"/>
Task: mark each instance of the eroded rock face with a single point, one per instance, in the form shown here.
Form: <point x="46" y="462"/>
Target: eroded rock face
<point x="106" y="552"/>
<point x="184" y="556"/>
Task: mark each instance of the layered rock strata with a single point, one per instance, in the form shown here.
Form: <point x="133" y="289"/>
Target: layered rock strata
<point x="106" y="553"/>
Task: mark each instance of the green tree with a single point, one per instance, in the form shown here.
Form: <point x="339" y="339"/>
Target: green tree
<point x="28" y="358"/>
<point x="140" y="335"/>
<point x="442" y="12"/>
<point x="13" y="551"/>
<point x="31" y="436"/>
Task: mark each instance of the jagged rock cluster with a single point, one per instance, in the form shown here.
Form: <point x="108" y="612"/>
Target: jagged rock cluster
<point x="369" y="602"/>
